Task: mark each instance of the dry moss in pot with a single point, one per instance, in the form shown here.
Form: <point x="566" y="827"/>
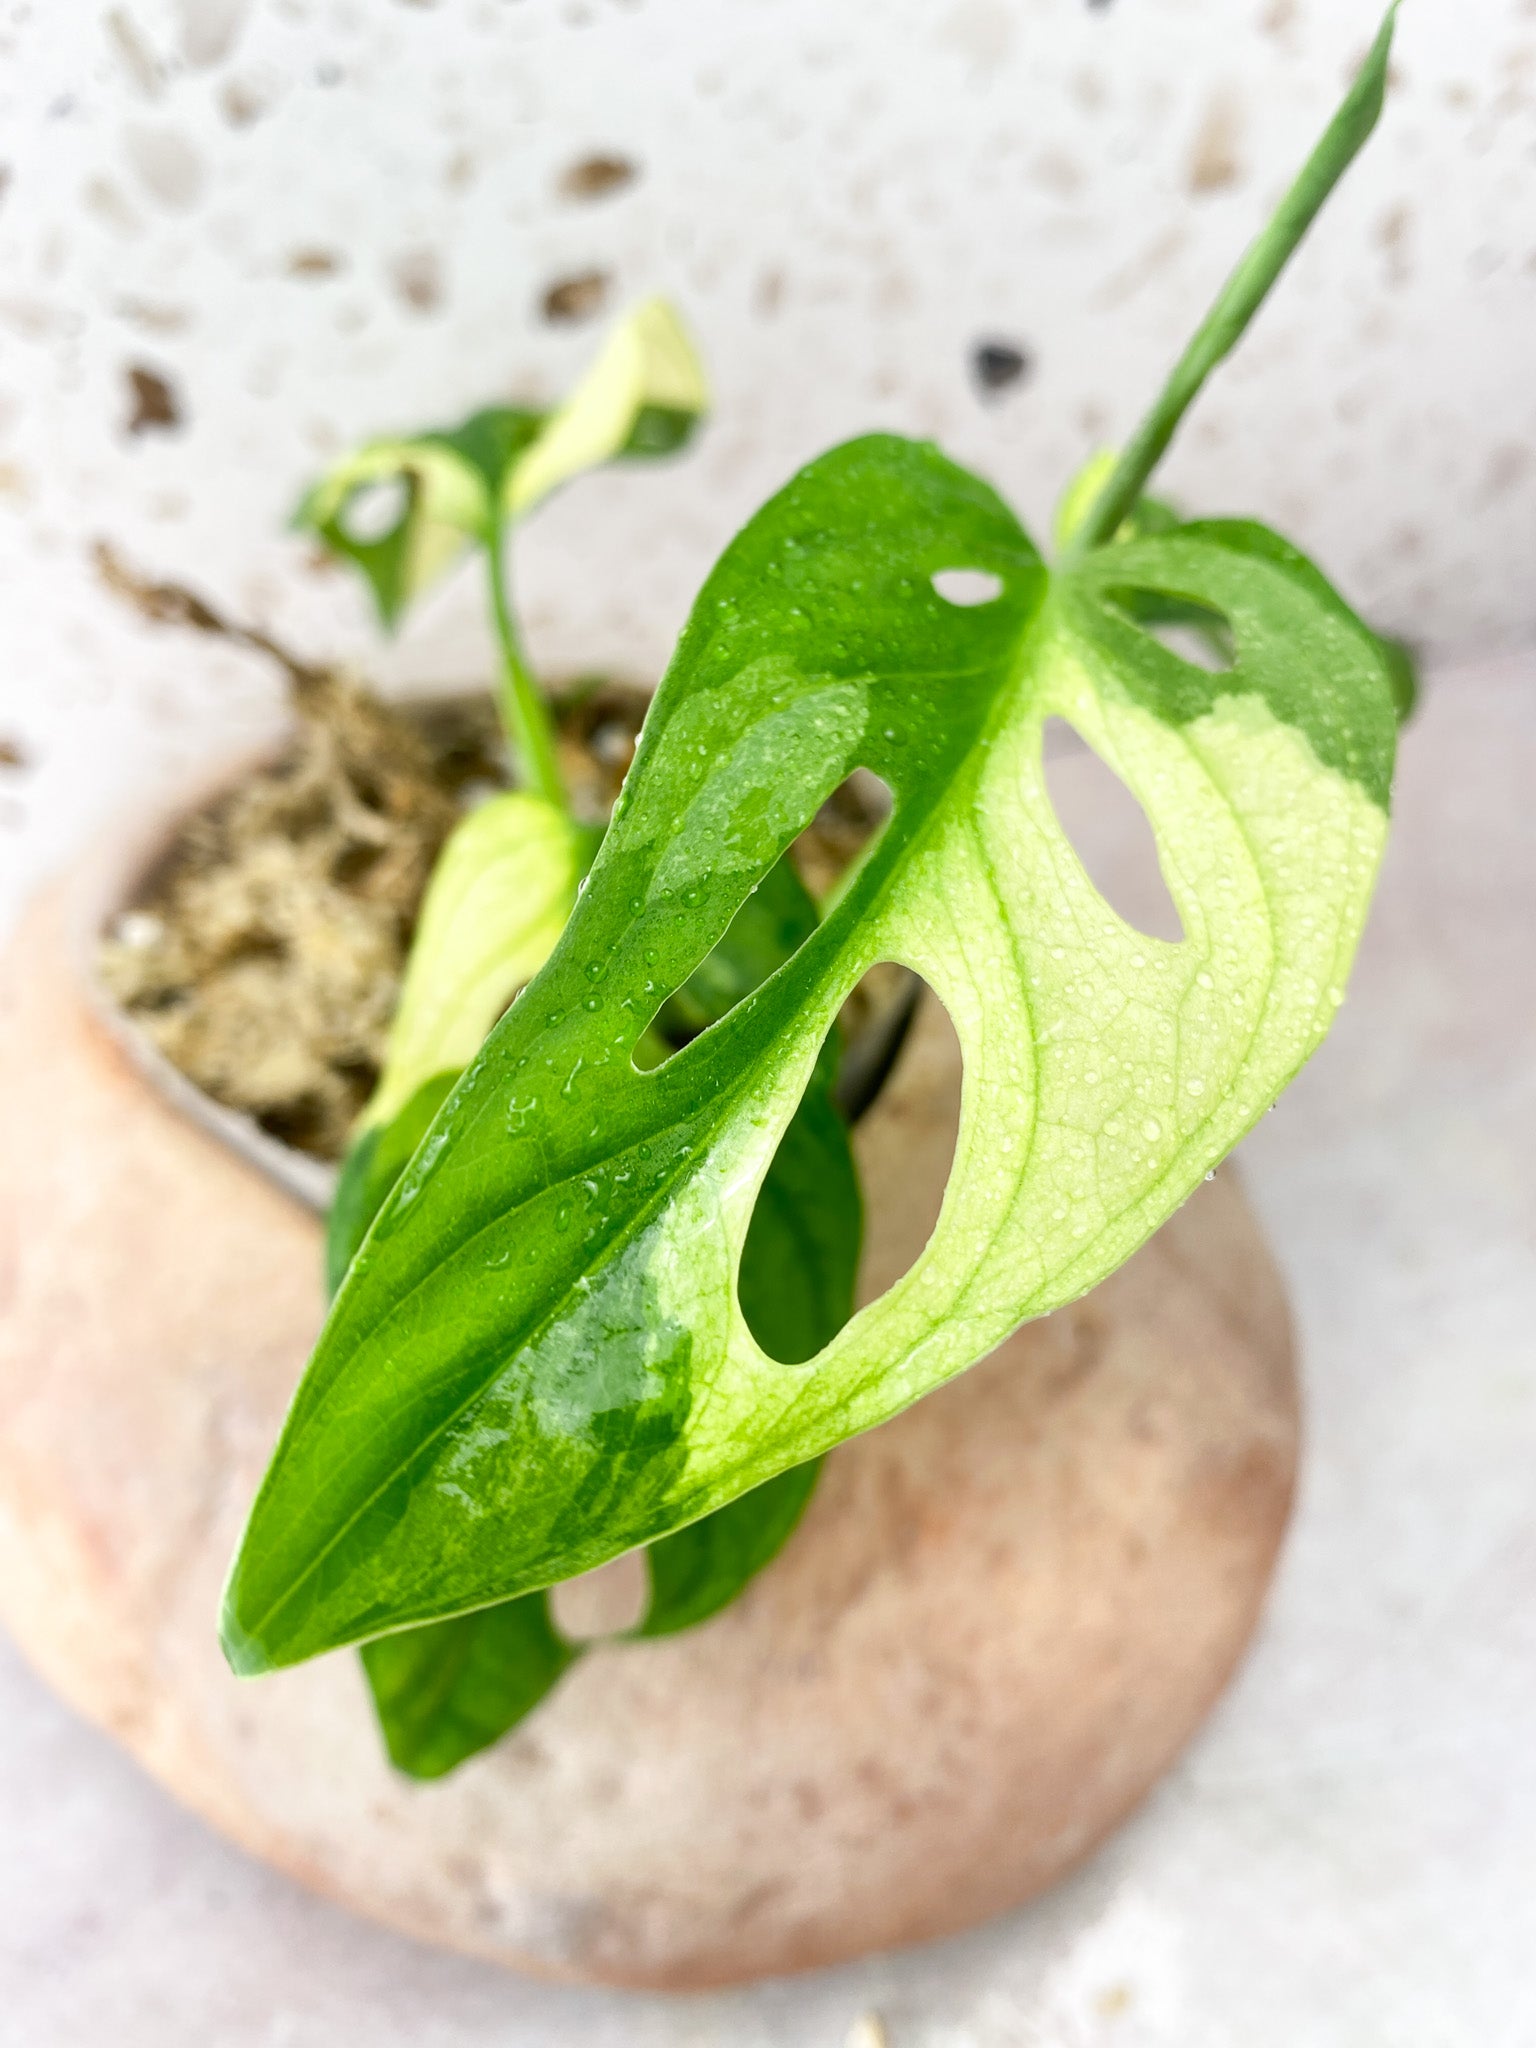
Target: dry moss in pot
<point x="595" y="1246"/>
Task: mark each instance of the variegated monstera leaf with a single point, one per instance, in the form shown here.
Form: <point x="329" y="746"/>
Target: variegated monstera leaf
<point x="538" y="1358"/>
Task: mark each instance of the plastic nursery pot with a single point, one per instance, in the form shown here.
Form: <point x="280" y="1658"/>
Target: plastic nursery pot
<point x="1003" y="1616"/>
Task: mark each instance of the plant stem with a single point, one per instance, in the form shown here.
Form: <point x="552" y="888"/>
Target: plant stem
<point x="1242" y="294"/>
<point x="525" y="718"/>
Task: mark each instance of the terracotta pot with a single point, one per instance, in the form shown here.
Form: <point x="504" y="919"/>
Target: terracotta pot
<point x="1003" y="1616"/>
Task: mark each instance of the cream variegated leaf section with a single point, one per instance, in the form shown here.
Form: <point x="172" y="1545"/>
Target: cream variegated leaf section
<point x="647" y="362"/>
<point x="538" y="1359"/>
<point x="1105" y="1071"/>
<point x="497" y="903"/>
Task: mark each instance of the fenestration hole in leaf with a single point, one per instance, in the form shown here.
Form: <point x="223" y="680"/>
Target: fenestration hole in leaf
<point x="374" y="510"/>
<point x="1110" y="833"/>
<point x="805" y="1264"/>
<point x="775" y="920"/>
<point x="905" y="1147"/>
<point x="801" y="1256"/>
<point x="1193" y="632"/>
<point x="604" y="1602"/>
<point x="967" y="587"/>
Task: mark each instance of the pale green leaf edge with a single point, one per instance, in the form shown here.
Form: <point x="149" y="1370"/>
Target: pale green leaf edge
<point x="498" y="900"/>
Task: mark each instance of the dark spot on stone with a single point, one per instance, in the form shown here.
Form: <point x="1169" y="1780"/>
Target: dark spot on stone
<point x="329" y="73"/>
<point x="13" y="754"/>
<point x="1057" y="173"/>
<point x="153" y="404"/>
<point x="810" y="1802"/>
<point x="142" y="66"/>
<point x="1214" y="164"/>
<point x="575" y="298"/>
<point x="770" y="293"/>
<point x="1507" y="466"/>
<point x="418" y="279"/>
<point x="5" y="180"/>
<point x="315" y="263"/>
<point x="153" y="317"/>
<point x="998" y="365"/>
<point x="1392" y="233"/>
<point x="241" y="104"/>
<point x="595" y="177"/>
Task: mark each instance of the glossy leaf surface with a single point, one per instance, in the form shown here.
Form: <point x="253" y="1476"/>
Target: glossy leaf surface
<point x="497" y="902"/>
<point x="539" y="1359"/>
<point x="446" y="1690"/>
<point x="451" y="1689"/>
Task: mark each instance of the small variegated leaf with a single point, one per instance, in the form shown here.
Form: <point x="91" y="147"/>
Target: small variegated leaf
<point x="459" y="486"/>
<point x="643" y="396"/>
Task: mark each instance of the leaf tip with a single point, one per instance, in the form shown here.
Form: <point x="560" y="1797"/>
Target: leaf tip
<point x="244" y="1652"/>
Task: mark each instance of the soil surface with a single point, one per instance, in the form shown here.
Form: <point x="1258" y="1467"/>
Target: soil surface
<point x="263" y="955"/>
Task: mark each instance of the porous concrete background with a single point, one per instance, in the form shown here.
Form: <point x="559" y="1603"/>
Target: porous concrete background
<point x="234" y="234"/>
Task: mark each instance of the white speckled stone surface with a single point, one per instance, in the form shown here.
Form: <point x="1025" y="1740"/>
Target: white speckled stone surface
<point x="1343" y="1858"/>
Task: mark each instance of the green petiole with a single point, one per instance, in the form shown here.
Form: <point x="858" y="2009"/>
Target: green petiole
<point x="1242" y="295"/>
<point x="525" y="719"/>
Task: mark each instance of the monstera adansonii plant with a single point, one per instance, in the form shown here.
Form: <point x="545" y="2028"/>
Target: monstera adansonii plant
<point x="595" y="1274"/>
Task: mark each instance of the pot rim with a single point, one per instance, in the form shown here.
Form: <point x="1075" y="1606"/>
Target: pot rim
<point x="115" y="869"/>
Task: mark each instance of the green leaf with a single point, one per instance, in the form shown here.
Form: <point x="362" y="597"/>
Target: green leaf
<point x="449" y="1690"/>
<point x="1404" y="667"/>
<point x="801" y="1255"/>
<point x="443" y="506"/>
<point x="377" y="1157"/>
<point x="701" y="1569"/>
<point x="774" y="922"/>
<point x="798" y="1266"/>
<point x="446" y="1690"/>
<point x="539" y="1358"/>
<point x="458" y="486"/>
